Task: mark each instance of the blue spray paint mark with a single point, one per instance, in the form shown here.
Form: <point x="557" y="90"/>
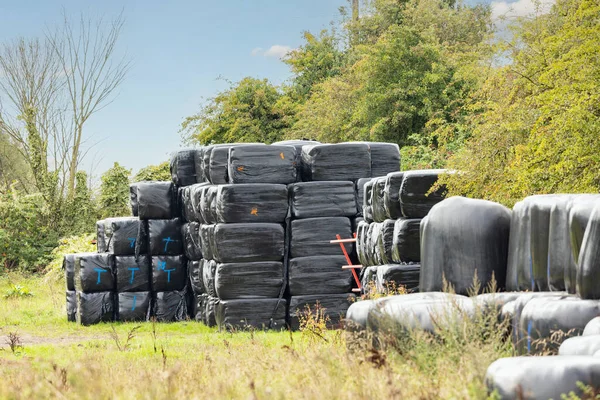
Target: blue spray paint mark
<point x="529" y="326"/>
<point x="167" y="241"/>
<point x="168" y="271"/>
<point x="161" y="265"/>
<point x="131" y="242"/>
<point x="99" y="271"/>
<point x="134" y="298"/>
<point x="132" y="274"/>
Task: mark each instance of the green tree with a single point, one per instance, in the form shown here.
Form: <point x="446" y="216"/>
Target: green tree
<point x="160" y="172"/>
<point x="114" y="192"/>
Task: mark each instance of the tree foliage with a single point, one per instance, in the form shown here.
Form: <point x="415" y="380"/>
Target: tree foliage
<point x="114" y="192"/>
<point x="160" y="172"/>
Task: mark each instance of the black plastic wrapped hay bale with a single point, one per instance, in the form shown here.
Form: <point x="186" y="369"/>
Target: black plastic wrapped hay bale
<point x="457" y="224"/>
<point x="249" y="280"/>
<point x="195" y="276"/>
<point x="164" y="237"/>
<point x="367" y="205"/>
<point x="219" y="159"/>
<point x="248" y="242"/>
<point x="415" y="201"/>
<point x="336" y="162"/>
<point x="192" y="246"/>
<point x="323" y="199"/>
<point x="207" y="207"/>
<point x="69" y="267"/>
<point x="209" y="270"/>
<point x="100" y="237"/>
<point x="377" y="199"/>
<point x="368" y="280"/>
<point x="122" y="234"/>
<point x="94" y="272"/>
<point x="332" y="306"/>
<point x="156" y="200"/>
<point x="93" y="308"/>
<point x="196" y="193"/>
<point x="169" y="306"/>
<point x="588" y="274"/>
<point x="133" y="273"/>
<point x="207" y="233"/>
<point x="362" y="244"/>
<point x="311" y="236"/>
<point x="391" y="195"/>
<point x="198" y="166"/>
<point x="385" y="241"/>
<point x="133" y="199"/>
<point x="243" y="203"/>
<point x="298" y="144"/>
<point x="133" y="306"/>
<point x="262" y="164"/>
<point x="406" y="246"/>
<point x="71" y="297"/>
<point x="169" y="273"/>
<point x="359" y="194"/>
<point x="318" y="274"/>
<point x="390" y="278"/>
<point x="255" y="313"/>
<point x="579" y="215"/>
<point x="183" y="167"/>
<point x="385" y="158"/>
<point x="210" y="312"/>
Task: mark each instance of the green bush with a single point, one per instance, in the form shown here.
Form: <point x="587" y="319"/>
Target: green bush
<point x="69" y="245"/>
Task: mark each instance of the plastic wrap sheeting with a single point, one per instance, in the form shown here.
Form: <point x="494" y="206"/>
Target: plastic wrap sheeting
<point x="592" y="327"/>
<point x="133" y="306"/>
<point x="262" y="164"/>
<point x="94" y="272"/>
<point x="357" y="315"/>
<point x="318" y="274"/>
<point x="251" y="203"/>
<point x="377" y="200"/>
<point x="458" y="224"/>
<point x="406" y="246"/>
<point x="69" y="268"/>
<point x="133" y="273"/>
<point x="334" y="307"/>
<point x="323" y="199"/>
<point x="71" y="296"/>
<point x="209" y="270"/>
<point x="367" y="205"/>
<point x="206" y="152"/>
<point x="385" y="158"/>
<point x="580" y="346"/>
<point x="541" y="317"/>
<point x="394" y="276"/>
<point x="588" y="274"/>
<point x="156" y="200"/>
<point x="93" y="308"/>
<point x="210" y="313"/>
<point x="100" y="237"/>
<point x="579" y="215"/>
<point x="201" y="300"/>
<point x="248" y="242"/>
<point x="391" y="195"/>
<point x="170" y="306"/>
<point x="208" y="204"/>
<point x="183" y="167"/>
<point x="362" y="243"/>
<point x="133" y="199"/>
<point x="192" y="246"/>
<point x="168" y="273"/>
<point x="207" y="232"/>
<point x="196" y="193"/>
<point x="385" y="241"/>
<point x="257" y="313"/>
<point x="414" y="200"/>
<point x="336" y="162"/>
<point x="298" y="144"/>
<point x="542" y="377"/>
<point x="198" y="166"/>
<point x="360" y="194"/>
<point x="122" y="234"/>
<point x="311" y="236"/>
<point x="373" y="255"/>
<point x="186" y="204"/>
<point x="249" y="280"/>
<point x="195" y="275"/>
<point x="164" y="237"/>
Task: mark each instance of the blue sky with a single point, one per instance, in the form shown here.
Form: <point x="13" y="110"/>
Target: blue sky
<point x="178" y="49"/>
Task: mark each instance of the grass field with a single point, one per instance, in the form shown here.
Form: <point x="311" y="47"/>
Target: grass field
<point x="51" y="358"/>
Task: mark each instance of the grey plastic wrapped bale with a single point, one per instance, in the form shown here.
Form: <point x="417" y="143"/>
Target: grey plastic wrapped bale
<point x="94" y="272"/>
<point x="542" y="377"/>
<point x="588" y="274"/>
<point x="183" y="167"/>
<point x="494" y="302"/>
<point x="195" y="276"/>
<point x="133" y="199"/>
<point x="391" y="195"/>
<point x="207" y="233"/>
<point x="311" y="236"/>
<point x="169" y="306"/>
<point x="248" y="242"/>
<point x="207" y="205"/>
<point x="209" y="270"/>
<point x="71" y="297"/>
<point x="460" y="238"/>
<point x="361" y="243"/>
<point x="359" y="192"/>
<point x="93" y="308"/>
<point x="579" y="213"/>
<point x="373" y="254"/>
<point x="185" y="204"/>
<point x="592" y="327"/>
<point x="169" y="273"/>
<point x="201" y="300"/>
<point x="156" y="200"/>
<point x="390" y="277"/>
<point x="406" y="245"/>
<point x="377" y="199"/>
<point x="133" y="273"/>
<point x="100" y="237"/>
<point x="367" y="206"/>
<point x="385" y="158"/>
<point x="519" y="274"/>
<point x="318" y="274"/>
<point x="385" y="241"/>
<point x="205" y="163"/>
<point x="196" y="193"/>
<point x="543" y="317"/>
<point x="357" y="315"/>
<point x="415" y="201"/>
<point x="210" y="313"/>
<point x="333" y="306"/>
<point x="122" y="234"/>
<point x="323" y="199"/>
<point x="249" y="280"/>
<point x="133" y="306"/>
<point x="69" y="268"/>
<point x="429" y="312"/>
<point x="262" y="164"/>
<point x="192" y="246"/>
<point x="255" y="313"/>
<point x="368" y="279"/>
<point x="580" y="346"/>
<point x="198" y="165"/>
<point x="164" y="237"/>
<point x="336" y="162"/>
<point x="251" y="202"/>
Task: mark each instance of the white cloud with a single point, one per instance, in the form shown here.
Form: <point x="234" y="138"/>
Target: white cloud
<point x="519" y="8"/>
<point x="257" y="51"/>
